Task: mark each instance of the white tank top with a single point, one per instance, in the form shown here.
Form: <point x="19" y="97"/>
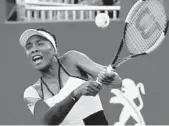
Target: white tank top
<point x="85" y="106"/>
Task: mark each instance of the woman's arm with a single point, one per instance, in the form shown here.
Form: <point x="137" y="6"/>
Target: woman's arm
<point x="59" y="111"/>
<point x="83" y="62"/>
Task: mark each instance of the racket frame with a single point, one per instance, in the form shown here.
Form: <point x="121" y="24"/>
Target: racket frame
<point x="113" y="64"/>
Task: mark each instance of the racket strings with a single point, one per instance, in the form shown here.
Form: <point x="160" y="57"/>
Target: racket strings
<point x="159" y="12"/>
<point x="140" y="46"/>
<point x="133" y="47"/>
<point x="136" y="42"/>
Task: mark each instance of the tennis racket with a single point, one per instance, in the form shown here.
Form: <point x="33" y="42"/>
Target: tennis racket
<point x="145" y="28"/>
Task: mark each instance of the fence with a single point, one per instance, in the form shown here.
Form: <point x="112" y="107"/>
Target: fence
<point x="50" y="11"/>
<point x="48" y="1"/>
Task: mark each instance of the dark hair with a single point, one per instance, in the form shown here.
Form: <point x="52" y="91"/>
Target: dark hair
<point x="54" y="37"/>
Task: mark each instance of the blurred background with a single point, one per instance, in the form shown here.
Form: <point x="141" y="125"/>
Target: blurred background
<point x="59" y="10"/>
<point x="77" y="30"/>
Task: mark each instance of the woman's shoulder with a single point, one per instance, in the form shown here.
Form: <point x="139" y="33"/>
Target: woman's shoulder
<point x="30" y="98"/>
<point x="70" y="61"/>
<point x="72" y="56"/>
<point x="31" y="92"/>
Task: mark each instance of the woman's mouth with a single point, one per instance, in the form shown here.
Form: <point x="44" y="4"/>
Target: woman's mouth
<point x="37" y="59"/>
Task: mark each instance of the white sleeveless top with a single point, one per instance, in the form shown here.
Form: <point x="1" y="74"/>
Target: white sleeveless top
<point x="84" y="107"/>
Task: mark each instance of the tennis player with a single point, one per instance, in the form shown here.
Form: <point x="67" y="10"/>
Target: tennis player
<point x="67" y="83"/>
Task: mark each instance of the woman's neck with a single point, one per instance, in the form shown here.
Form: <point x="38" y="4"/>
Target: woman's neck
<point x="50" y="71"/>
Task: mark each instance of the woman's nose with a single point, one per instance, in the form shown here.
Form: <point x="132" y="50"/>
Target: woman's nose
<point x="34" y="50"/>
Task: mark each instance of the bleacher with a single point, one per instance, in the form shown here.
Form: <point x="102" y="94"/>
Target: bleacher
<point x="62" y="10"/>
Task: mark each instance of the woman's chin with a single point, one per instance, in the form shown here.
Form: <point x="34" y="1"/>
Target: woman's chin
<point x="42" y="68"/>
<point x="39" y="66"/>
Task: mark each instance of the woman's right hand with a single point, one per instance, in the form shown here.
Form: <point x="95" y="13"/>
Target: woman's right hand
<point x="89" y="88"/>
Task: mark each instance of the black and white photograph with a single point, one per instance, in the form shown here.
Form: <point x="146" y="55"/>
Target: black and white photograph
<point x="60" y="10"/>
<point x="84" y="62"/>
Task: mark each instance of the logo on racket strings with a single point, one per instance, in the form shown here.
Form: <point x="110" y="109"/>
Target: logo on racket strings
<point x="147" y="24"/>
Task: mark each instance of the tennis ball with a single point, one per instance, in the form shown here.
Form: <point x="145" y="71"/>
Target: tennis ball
<point x="102" y="20"/>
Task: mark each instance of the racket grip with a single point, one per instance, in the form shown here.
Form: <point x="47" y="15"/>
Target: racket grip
<point x="109" y="69"/>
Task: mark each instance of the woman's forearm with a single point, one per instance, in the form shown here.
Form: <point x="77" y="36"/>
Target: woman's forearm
<point x="59" y="111"/>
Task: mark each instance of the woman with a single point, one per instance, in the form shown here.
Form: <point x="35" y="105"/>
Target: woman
<point x="67" y="83"/>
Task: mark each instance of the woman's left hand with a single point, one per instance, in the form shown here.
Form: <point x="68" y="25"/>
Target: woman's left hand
<point x="108" y="77"/>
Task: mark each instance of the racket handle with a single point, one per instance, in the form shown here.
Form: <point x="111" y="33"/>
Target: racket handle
<point x="109" y="69"/>
<point x="117" y="78"/>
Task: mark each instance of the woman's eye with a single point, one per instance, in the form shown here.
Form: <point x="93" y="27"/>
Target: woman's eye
<point x="40" y="43"/>
<point x="28" y="47"/>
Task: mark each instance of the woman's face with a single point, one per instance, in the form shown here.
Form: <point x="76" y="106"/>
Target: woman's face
<point x="39" y="51"/>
